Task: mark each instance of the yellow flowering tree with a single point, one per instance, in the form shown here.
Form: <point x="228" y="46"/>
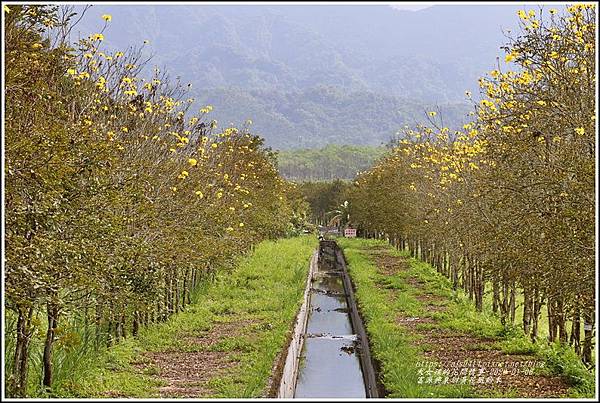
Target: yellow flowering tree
<point x="507" y="201"/>
<point x="119" y="199"/>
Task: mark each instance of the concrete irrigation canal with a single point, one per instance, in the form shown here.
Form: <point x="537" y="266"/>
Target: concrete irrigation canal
<point x="329" y="353"/>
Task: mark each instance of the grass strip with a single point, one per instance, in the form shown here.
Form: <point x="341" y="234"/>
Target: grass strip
<point x="264" y="292"/>
<point x="383" y="298"/>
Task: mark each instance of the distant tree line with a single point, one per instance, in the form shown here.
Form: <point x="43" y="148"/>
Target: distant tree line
<point x="324" y="198"/>
<point x="327" y="163"/>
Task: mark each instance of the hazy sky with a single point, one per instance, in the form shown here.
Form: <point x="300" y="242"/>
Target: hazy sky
<point x="412" y="7"/>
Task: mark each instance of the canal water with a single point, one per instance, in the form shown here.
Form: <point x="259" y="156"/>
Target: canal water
<point x="329" y="363"/>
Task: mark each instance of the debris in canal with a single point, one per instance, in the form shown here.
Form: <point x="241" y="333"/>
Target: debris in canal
<point x="348" y="349"/>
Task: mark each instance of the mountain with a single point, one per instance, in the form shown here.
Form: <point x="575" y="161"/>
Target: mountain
<point x="323" y="114"/>
<point x="310" y="75"/>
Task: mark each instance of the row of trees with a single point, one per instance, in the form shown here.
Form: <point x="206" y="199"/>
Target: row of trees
<point x="119" y="200"/>
<point x="508" y="201"/>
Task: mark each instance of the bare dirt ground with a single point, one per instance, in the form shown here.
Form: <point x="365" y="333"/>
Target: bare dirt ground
<point x="187" y="373"/>
<point x="455" y="352"/>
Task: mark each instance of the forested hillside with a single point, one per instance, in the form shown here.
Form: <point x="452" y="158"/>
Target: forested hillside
<point x="328" y="163"/>
<point x="308" y="76"/>
<point x="324" y="115"/>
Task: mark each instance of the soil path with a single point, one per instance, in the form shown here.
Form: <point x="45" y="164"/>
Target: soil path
<point x="188" y="370"/>
<point x="462" y="357"/>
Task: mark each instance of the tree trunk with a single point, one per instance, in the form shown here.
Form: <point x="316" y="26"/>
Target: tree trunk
<point x="53" y="312"/>
<point x="575" y="340"/>
<point x="504" y="305"/>
<point x="551" y="321"/>
<point x="177" y="292"/>
<point x="537" y="308"/>
<point x="495" y="296"/>
<point x="471" y="267"/>
<point x="135" y="326"/>
<point x="454" y="268"/>
<point x="479" y="286"/>
<point x="562" y="327"/>
<point x="588" y="337"/>
<point x="117" y="334"/>
<point x="187" y="286"/>
<point x="18" y="386"/>
<point x="513" y="307"/>
<point x="527" y="305"/>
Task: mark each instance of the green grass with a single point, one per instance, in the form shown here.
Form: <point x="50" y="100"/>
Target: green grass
<point x="383" y="298"/>
<point x="266" y="290"/>
<point x="391" y="346"/>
